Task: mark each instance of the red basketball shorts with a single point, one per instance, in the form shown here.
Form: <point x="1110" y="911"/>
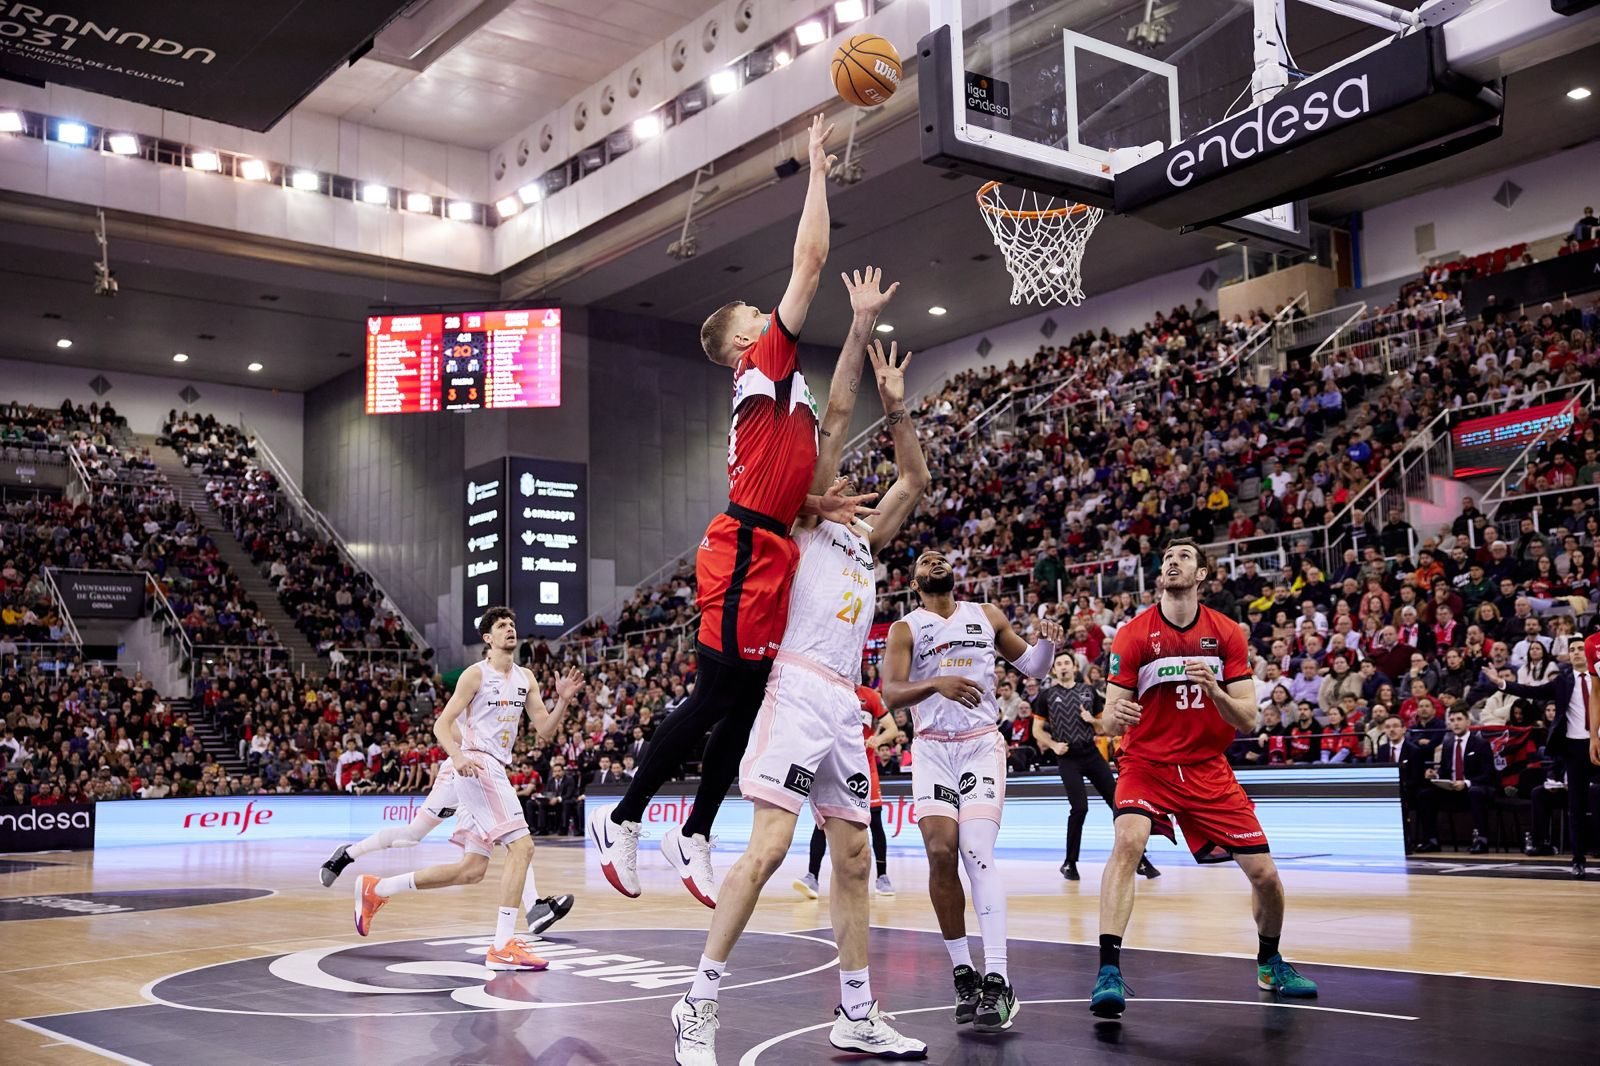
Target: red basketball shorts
<point x="744" y="569"/>
<point x="1217" y="818"/>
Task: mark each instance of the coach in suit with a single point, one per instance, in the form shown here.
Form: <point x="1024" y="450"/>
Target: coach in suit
<point x="1462" y="777"/>
<point x="607" y="774"/>
<point x="1397" y="749"/>
<point x="559" y="806"/>
<point x="1570" y="735"/>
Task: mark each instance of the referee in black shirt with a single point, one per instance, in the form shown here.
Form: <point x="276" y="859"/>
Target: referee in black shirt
<point x="1063" y="722"/>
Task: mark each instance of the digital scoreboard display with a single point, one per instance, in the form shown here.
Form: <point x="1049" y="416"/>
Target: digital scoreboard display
<point x="463" y="361"/>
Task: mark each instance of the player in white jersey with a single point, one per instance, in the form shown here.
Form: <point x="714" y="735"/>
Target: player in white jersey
<point x="806" y="742"/>
<point x="485" y="712"/>
<point x="542" y="911"/>
<point x="940" y="663"/>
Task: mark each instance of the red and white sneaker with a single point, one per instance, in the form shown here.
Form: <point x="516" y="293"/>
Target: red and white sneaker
<point x="368" y="902"/>
<point x="690" y="859"/>
<point x="514" y="956"/>
<point x="618" y="846"/>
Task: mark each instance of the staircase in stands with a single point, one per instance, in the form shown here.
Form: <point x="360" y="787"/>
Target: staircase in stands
<point x="226" y="752"/>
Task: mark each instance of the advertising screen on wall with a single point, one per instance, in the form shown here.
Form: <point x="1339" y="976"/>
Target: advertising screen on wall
<point x="484" y="538"/>
<point x="548" y="546"/>
<point x="1485" y="445"/>
<point x="463" y="361"/>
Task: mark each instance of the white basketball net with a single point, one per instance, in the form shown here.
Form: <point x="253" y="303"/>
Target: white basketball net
<point x="1043" y="239"/>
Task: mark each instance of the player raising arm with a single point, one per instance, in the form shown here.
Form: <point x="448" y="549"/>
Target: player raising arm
<point x="1180" y="689"/>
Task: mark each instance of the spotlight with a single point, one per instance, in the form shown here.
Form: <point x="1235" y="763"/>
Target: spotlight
<point x="305" y="180"/>
<point x="646" y="127"/>
<point x="782" y="58"/>
<point x="11" y="122"/>
<point x="530" y="193"/>
<point x="374" y="194"/>
<point x="724" y="82"/>
<point x="809" y="33"/>
<point x="936" y="310"/>
<point x="179" y="357"/>
<point x="884" y="327"/>
<point x="848" y="11"/>
<point x="508" y="206"/>
<point x="419" y="202"/>
<point x="459" y="211"/>
<point x="123" y="144"/>
<point x="253" y="170"/>
<point x="63" y="343"/>
<point x="205" y="161"/>
<point x="1579" y="93"/>
<point x="72" y="133"/>
<point x="254" y="368"/>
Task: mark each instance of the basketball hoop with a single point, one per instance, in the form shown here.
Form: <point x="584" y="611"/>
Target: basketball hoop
<point x="1043" y="239"/>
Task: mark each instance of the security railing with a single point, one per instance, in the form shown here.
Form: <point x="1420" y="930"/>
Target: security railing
<point x="62" y="611"/>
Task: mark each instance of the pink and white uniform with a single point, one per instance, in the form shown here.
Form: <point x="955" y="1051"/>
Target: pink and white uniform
<point x="489" y="812"/>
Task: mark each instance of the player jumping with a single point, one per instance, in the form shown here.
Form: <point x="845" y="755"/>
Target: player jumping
<point x="745" y="563"/>
<point x="486" y="710"/>
<point x="1172" y="765"/>
<point x="940" y="662"/>
<point x="806" y="742"/>
<point x="542" y="911"/>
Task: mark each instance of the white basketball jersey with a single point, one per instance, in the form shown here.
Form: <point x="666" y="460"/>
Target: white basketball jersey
<point x="493" y="719"/>
<point x="962" y="646"/>
<point x="832" y="599"/>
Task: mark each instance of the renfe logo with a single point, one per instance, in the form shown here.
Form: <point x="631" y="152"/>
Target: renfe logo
<point x="1276" y="124"/>
<point x="243" y="819"/>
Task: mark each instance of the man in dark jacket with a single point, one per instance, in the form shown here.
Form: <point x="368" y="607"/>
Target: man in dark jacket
<point x="1463" y="777"/>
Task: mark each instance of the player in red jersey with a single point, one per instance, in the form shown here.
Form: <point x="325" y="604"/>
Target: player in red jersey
<point x="877" y="727"/>
<point x="1180" y="689"/>
<point x="746" y="559"/>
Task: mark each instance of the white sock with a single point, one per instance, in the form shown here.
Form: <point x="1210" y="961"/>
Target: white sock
<point x="505" y="926"/>
<point x="708" y="979"/>
<point x="530" y="892"/>
<point x="388" y="886"/>
<point x="960" y="954"/>
<point x="988" y="891"/>
<point x="395" y="836"/>
<point x="855" y="993"/>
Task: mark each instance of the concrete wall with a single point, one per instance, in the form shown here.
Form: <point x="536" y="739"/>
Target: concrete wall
<point x="1466" y="218"/>
<point x="1272" y="291"/>
<point x="145" y="399"/>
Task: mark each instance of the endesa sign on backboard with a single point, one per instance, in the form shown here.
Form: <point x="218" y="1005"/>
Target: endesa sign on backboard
<point x="206" y="820"/>
<point x="1485" y="445"/>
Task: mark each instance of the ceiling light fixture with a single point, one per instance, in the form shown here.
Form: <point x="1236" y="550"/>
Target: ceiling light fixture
<point x="884" y="327"/>
<point x="179" y="357"/>
<point x="508" y="206"/>
<point x="646" y="127"/>
<point x="459" y="211"/>
<point x="724" y="82"/>
<point x="848" y="11"/>
<point x="205" y="161"/>
<point x="936" y="310"/>
<point x="782" y="58"/>
<point x="374" y="194"/>
<point x="809" y="33"/>
<point x="1578" y="93"/>
<point x="11" y="122"/>
<point x="305" y="180"/>
<point x="254" y="368"/>
<point x="123" y="144"/>
<point x="531" y="193"/>
<point x="253" y="170"/>
<point x="72" y="133"/>
<point x="420" y="202"/>
<point x="63" y="343"/>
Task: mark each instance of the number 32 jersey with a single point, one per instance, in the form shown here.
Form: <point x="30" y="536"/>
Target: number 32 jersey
<point x="1180" y="724"/>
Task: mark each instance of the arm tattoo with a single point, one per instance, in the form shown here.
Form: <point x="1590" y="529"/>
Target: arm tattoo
<point x="894" y="418"/>
<point x="854" y="385"/>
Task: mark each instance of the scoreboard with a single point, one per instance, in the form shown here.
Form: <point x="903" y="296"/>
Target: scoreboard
<point x="525" y="544"/>
<point x="463" y="361"/>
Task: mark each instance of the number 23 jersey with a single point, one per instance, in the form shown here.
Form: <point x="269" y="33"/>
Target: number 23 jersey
<point x="1180" y="724"/>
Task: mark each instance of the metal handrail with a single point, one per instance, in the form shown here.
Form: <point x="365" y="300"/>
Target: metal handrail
<point x="61" y="607"/>
<point x="164" y="604"/>
<point x="321" y="525"/>
<point x="1319" y="349"/>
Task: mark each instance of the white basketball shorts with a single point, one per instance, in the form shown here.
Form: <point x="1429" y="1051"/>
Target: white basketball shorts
<point x="961" y="779"/>
<point x="806" y="744"/>
<point x="488" y="811"/>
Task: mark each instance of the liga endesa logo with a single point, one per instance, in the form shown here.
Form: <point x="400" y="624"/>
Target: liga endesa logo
<point x="42" y="819"/>
<point x="899" y="812"/>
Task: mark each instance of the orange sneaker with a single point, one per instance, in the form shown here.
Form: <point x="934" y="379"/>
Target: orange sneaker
<point x="514" y="956"/>
<point x="368" y="902"/>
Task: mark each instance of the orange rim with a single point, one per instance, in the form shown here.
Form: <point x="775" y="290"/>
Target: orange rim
<point x="1006" y="212"/>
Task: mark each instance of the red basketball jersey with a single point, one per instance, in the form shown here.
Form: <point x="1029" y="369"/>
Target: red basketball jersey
<point x="1179" y="724"/>
<point x="772" y="443"/>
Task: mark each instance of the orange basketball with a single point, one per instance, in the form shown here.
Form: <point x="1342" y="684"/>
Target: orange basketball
<point x="866" y="70"/>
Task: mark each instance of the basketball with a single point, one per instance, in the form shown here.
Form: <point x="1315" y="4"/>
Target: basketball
<point x="866" y="70"/>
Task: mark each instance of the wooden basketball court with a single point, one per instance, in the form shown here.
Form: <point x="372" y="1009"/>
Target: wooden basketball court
<point x="234" y="953"/>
